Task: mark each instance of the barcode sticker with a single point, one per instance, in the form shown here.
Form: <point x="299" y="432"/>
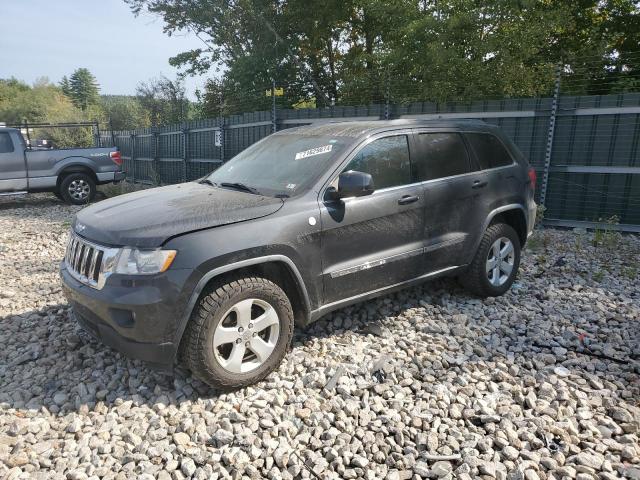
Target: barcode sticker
<point x="314" y="151"/>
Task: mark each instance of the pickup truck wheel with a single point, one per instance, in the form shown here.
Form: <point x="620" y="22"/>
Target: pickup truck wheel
<point x="78" y="189"/>
<point x="238" y="333"/>
<point x="496" y="263"/>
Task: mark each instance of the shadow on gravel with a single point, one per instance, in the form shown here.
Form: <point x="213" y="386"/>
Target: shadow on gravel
<point x="47" y="362"/>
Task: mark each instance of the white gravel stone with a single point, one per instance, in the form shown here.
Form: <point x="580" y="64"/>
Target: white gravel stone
<point x="521" y="383"/>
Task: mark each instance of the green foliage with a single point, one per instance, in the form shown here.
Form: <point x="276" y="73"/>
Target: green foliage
<point x="124" y="112"/>
<point x="164" y="100"/>
<point x="83" y="88"/>
<point x="344" y="51"/>
<point x="65" y="86"/>
<point x="44" y="103"/>
<point x="605" y="235"/>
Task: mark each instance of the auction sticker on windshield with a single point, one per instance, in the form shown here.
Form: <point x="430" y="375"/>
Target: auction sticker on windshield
<point x="314" y="151"/>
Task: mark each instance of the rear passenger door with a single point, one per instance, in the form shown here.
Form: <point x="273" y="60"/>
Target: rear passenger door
<point x="443" y="164"/>
<point x="495" y="176"/>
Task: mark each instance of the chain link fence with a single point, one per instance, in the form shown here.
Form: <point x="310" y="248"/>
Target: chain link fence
<point x="584" y="146"/>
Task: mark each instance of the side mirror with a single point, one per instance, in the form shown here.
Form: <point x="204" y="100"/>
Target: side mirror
<point x="352" y="184"/>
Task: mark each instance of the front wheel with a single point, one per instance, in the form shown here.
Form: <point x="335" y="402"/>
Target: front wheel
<point x="238" y="333"/>
<point x="78" y="189"/>
<point x="496" y="262"/>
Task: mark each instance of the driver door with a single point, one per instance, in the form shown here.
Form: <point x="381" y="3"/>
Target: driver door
<point x="374" y="241"/>
<point x="13" y="172"/>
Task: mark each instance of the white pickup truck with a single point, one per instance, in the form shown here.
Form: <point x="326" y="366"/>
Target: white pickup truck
<point x="72" y="174"/>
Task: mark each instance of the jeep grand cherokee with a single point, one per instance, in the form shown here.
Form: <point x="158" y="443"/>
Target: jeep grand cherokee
<point x="216" y="273"/>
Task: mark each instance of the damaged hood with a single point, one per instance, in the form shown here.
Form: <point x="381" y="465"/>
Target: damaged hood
<point x="150" y="217"/>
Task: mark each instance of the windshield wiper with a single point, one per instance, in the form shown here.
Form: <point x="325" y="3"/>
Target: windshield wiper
<point x="240" y="186"/>
<point x="208" y="182"/>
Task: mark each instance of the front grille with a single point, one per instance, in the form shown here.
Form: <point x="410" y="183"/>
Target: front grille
<point x="84" y="260"/>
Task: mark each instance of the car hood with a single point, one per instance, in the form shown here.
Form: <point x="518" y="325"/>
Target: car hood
<point x="148" y="218"/>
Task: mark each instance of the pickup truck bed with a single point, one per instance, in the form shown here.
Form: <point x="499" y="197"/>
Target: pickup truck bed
<point x="72" y="174"/>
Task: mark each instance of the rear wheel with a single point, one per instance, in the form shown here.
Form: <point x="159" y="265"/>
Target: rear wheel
<point x="239" y="333"/>
<point x="496" y="262"/>
<point x="78" y="189"/>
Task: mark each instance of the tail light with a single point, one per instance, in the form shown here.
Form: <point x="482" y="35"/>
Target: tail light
<point x="532" y="178"/>
<point x="116" y="157"/>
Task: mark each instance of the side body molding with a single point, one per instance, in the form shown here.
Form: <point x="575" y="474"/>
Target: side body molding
<point x="235" y="266"/>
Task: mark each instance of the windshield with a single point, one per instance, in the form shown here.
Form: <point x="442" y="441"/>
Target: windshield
<point x="283" y="164"/>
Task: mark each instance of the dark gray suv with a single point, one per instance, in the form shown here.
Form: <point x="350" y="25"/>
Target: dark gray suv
<point x="216" y="273"/>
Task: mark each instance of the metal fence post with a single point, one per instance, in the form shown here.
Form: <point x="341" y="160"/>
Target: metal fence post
<point x="133" y="156"/>
<point x="98" y="138"/>
<point x="185" y="150"/>
<point x="550" y="134"/>
<point x="387" y="98"/>
<point x="274" y="126"/>
<point x="113" y="137"/>
<point x="221" y="124"/>
<point x="156" y="157"/>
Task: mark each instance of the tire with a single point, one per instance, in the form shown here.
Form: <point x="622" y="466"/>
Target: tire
<point x="78" y="189"/>
<point x="217" y="319"/>
<point x="480" y="278"/>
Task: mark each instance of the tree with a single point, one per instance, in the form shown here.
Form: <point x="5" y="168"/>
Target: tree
<point x="45" y="103"/>
<point x="124" y="112"/>
<point x="164" y="100"/>
<point x="65" y="86"/>
<point x="344" y="51"/>
<point x="83" y="88"/>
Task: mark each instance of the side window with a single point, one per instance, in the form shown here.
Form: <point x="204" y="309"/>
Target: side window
<point x="440" y="155"/>
<point x="386" y="160"/>
<point x="6" y="145"/>
<point x="490" y="151"/>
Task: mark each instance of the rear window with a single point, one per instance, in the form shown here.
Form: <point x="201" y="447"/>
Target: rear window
<point x="440" y="155"/>
<point x="490" y="151"/>
<point x="6" y="145"/>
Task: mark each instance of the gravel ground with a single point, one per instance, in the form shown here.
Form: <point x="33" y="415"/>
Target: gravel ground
<point x="540" y="383"/>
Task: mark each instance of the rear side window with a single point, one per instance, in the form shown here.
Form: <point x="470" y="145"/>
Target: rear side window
<point x="386" y="160"/>
<point x="440" y="155"/>
<point x="6" y="145"/>
<point x="490" y="151"/>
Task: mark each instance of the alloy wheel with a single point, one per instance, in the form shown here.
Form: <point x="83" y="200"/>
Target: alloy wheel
<point x="79" y="189"/>
<point x="500" y="261"/>
<point x="246" y="336"/>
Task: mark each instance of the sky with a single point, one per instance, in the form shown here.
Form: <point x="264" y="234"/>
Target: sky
<point x="52" y="38"/>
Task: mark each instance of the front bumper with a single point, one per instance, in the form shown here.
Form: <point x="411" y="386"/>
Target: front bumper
<point x="138" y="317"/>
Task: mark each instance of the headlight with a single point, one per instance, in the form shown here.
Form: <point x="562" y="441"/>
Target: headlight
<point x="132" y="261"/>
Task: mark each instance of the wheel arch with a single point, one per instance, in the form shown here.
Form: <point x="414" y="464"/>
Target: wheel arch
<point x="75" y="168"/>
<point x="277" y="268"/>
<point x="513" y="215"/>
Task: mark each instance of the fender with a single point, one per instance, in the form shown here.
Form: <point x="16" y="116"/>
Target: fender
<point x="235" y="266"/>
<point x="493" y="213"/>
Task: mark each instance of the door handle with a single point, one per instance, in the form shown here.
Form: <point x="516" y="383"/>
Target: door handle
<point x="479" y="184"/>
<point x="407" y="199"/>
